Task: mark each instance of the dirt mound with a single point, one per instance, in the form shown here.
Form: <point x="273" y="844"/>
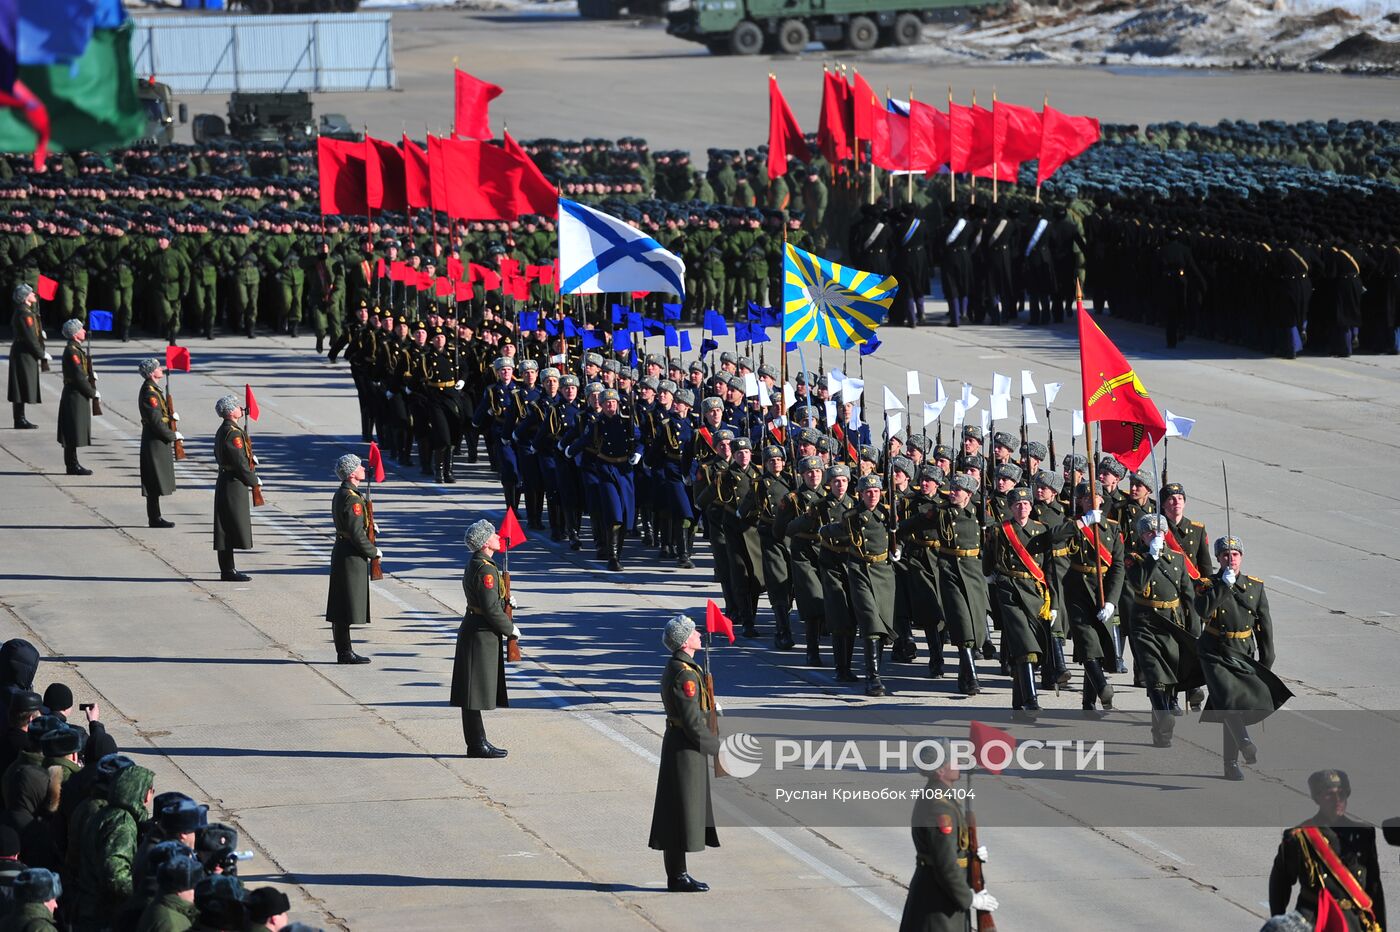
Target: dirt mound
<point x="1362" y="49"/>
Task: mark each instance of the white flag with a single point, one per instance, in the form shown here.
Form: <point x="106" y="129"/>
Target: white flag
<point x="834" y="380"/>
<point x="1078" y="418"/>
<point x="830" y="411"/>
<point x="938" y="390"/>
<point x="967" y="395"/>
<point x="1028" y="410"/>
<point x="750" y="385"/>
<point x="998" y="407"/>
<point x="891" y="402"/>
<point x="986" y="423"/>
<point x="1052" y="390"/>
<point x="959" y="413"/>
<point x="851" y="390"/>
<point x="789" y="396"/>
<point x="970" y="401"/>
<point x="933" y="411"/>
<point x="1001" y="385"/>
<point x="911" y="383"/>
<point x="1178" y="426"/>
<point x="764" y="399"/>
<point x="895" y="423"/>
<point x="1027" y="383"/>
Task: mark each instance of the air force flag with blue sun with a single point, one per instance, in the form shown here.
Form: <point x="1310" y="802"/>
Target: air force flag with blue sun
<point x="830" y="304"/>
<point x="600" y="253"/>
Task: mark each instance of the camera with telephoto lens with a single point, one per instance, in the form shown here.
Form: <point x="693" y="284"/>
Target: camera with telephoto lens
<point x="216" y="848"/>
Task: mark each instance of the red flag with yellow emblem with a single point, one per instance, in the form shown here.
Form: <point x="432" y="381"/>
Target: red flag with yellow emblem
<point x="1129" y="422"/>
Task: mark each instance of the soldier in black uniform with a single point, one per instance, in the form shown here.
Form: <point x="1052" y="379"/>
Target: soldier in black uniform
<point x="683" y="818"/>
<point x="360" y="343"/>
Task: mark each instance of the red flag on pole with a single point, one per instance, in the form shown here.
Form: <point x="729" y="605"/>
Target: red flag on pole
<point x="991" y="746"/>
<point x="1015" y="137"/>
<point x="177" y="358"/>
<point x="979" y="156"/>
<point x="48" y="288"/>
<point x="479" y="181"/>
<point x="511" y="533"/>
<point x="473" y="105"/>
<point x="1063" y="137"/>
<point x="784" y="135"/>
<point x="1129" y="422"/>
<point x="385" y="187"/>
<point x="535" y="195"/>
<point x="250" y="404"/>
<point x="716" y="622"/>
<point x="959" y="138"/>
<point x="376" y="462"/>
<point x="465" y="291"/>
<point x="834" y="130"/>
<point x="340" y="167"/>
<point x="417" y="188"/>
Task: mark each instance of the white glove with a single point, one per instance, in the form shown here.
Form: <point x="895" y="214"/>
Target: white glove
<point x="510" y="600"/>
<point x="48" y="358"/>
<point x="636" y="458"/>
<point x="991" y="578"/>
<point x="1228" y="576"/>
<point x="255" y="460"/>
<point x="461" y="384"/>
<point x="389" y="395"/>
<point x="378" y="554"/>
<point x="982" y="853"/>
<point x="514" y="632"/>
<point x="175" y="416"/>
<point x="1106" y="613"/>
<point x="258" y="483"/>
<point x="1091" y="518"/>
<point x="179" y="436"/>
<point x="407" y="390"/>
<point x="1054" y="614"/>
<point x="96" y="396"/>
<point x="1155" y="548"/>
<point x="984" y="902"/>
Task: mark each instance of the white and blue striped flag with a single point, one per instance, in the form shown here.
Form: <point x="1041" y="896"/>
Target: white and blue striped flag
<point x="600" y="253"/>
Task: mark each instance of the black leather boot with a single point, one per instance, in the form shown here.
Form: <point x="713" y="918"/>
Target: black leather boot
<point x="967" y="673"/>
<point x="615" y="535"/>
<point x="814" y="644"/>
<point x="782" y="630"/>
<point x="873" y="686"/>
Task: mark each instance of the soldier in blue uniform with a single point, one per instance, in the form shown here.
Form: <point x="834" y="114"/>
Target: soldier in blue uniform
<point x="611" y="446"/>
<point x="497" y="414"/>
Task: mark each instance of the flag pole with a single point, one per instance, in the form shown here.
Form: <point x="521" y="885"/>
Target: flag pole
<point x="952" y="175"/>
<point x="1043" y="104"/>
<point x="909" y="178"/>
<point x="971" y="178"/>
<point x="1089" y="445"/>
<point x="994" y="144"/>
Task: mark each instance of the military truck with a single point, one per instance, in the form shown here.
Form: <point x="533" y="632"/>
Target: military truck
<point x="161" y="112"/>
<point x="612" y="9"/>
<point x="748" y="27"/>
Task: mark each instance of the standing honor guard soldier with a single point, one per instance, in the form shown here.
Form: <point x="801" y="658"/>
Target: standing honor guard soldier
<point x="940" y="897"/>
<point x="347" y="603"/>
<point x="27" y="355"/>
<point x="479" y="670"/>
<point x="75" y="404"/>
<point x="158" y="438"/>
<point x="233" y="519"/>
<point x="683" y="818"/>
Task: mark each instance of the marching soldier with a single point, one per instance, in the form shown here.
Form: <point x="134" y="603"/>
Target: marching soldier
<point x="359" y="341"/>
<point x="27" y="354"/>
<point x="683" y="818"/>
<point x="742" y="543"/>
<point x="347" y="603"/>
<point x="479" y="668"/>
<point x="762" y="505"/>
<point x="75" y="404"/>
<point x="233" y="520"/>
<point x="673" y="458"/>
<point x="159" y="432"/>
<point x="611" y="446"/>
<point x="1163" y="619"/>
<point x="169" y="272"/>
<point x="862" y="536"/>
<point x="919" y="557"/>
<point x="796" y="522"/>
<point x="496" y="415"/>
<point x="1097" y="637"/>
<point x="1330" y="851"/>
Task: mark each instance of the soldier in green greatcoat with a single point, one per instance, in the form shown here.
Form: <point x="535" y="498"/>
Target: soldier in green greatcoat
<point x="347" y="603"/>
<point x="683" y="818"/>
<point x="159" y="431"/>
<point x="27" y="355"/>
<point x="75" y="404"/>
<point x="479" y="668"/>
<point x="233" y="519"/>
<point x="863" y="537"/>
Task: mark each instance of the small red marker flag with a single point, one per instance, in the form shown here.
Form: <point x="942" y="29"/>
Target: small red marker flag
<point x="716" y="622"/>
<point x="376" y="462"/>
<point x="177" y="358"/>
<point x="511" y="533"/>
<point x="992" y="746"/>
<point x="250" y="405"/>
<point x="48" y="288"/>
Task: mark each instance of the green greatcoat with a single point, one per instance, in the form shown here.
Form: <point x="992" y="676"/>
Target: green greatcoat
<point x="1236" y="620"/>
<point x="26" y="353"/>
<point x="348" y="600"/>
<point x="962" y="588"/>
<point x="1093" y="640"/>
<point x="939" y="894"/>
<point x="865" y="542"/>
<point x="919" y="542"/>
<point x="1025" y="630"/>
<point x="75" y="404"/>
<point x="794" y="523"/>
<point x="157" y="441"/>
<point x="765" y="498"/>
<point x="479" y="670"/>
<point x="169" y="913"/>
<point x="683" y="818"/>
<point x="31" y="917"/>
<point x="233" y="519"/>
<point x="1163" y="649"/>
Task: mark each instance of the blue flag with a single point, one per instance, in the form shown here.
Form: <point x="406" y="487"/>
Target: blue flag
<point x="632" y="358"/>
<point x="741" y="332"/>
<point x="670" y="312"/>
<point x="790" y="347"/>
<point x="653" y="328"/>
<point x="714" y="323"/>
<point x="707" y="346"/>
<point x="621" y="340"/>
<point x="529" y="320"/>
<point x="100" y="321"/>
<point x="773" y="317"/>
<point x="757" y="334"/>
<point x="551" y="327"/>
<point x="570" y="328"/>
<point x="619" y="313"/>
<point x="634" y="323"/>
<point x="592" y="340"/>
<point x="672" y="337"/>
<point x="685" y="341"/>
<point x="831" y="304"/>
<point x="53" y="32"/>
<point x="870" y="346"/>
<point x="756" y="311"/>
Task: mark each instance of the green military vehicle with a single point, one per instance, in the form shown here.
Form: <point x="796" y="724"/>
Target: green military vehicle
<point x="158" y="101"/>
<point x="271" y="117"/>
<point x="748" y="27"/>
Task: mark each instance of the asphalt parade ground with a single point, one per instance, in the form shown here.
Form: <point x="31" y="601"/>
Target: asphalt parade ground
<point x="351" y="784"/>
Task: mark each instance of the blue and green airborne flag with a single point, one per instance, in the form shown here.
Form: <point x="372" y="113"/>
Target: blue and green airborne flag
<point x="830" y="304"/>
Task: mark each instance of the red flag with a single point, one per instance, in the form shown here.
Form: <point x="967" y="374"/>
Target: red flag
<point x="929" y="127"/>
<point x="424" y="281"/>
<point x="437" y="178"/>
<point x="979" y="157"/>
<point x="640" y="294"/>
<point x="1330" y="917"/>
<point x="784" y="135"/>
<point x="1061" y="139"/>
<point x="716" y="622"/>
<point x="418" y="190"/>
<point x="511" y="532"/>
<point x="1015" y="138"/>
<point x="21" y="98"/>
<point x="488" y="277"/>
<point x="177" y="358"/>
<point x="250" y="404"/>
<point x="442" y="287"/>
<point x="465" y="292"/>
<point x="340" y="167"/>
<point x="48" y="288"/>
<point x="867" y="110"/>
<point x="536" y="195"/>
<point x="479" y="180"/>
<point x="384" y="176"/>
<point x="379" y="268"/>
<point x="991" y="746"/>
<point x="399" y="270"/>
<point x="959" y="138"/>
<point x="510" y="268"/>
<point x="911" y="139"/>
<point x="545" y="273"/>
<point x="892" y="152"/>
<point x="376" y="462"/>
<point x="1129" y="422"/>
<point x="473" y="104"/>
<point x="835" y="129"/>
<point x="454" y="269"/>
